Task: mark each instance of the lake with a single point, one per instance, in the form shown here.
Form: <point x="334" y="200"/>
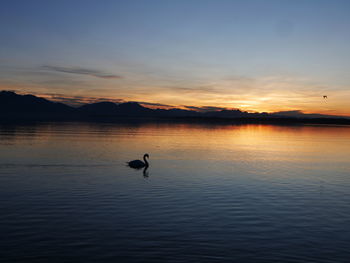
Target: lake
<point x="212" y="193"/>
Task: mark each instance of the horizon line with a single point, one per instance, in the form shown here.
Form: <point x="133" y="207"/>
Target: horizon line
<point x="78" y="101"/>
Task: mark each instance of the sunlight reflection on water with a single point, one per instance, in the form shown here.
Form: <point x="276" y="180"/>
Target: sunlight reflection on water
<point x="244" y="193"/>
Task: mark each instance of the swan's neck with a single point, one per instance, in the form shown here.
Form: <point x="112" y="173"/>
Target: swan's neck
<point x="145" y="160"/>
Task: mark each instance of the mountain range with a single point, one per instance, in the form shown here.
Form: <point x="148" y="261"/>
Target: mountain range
<point x="17" y="107"/>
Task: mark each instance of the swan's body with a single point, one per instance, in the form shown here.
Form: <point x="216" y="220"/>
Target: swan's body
<point x="138" y="164"/>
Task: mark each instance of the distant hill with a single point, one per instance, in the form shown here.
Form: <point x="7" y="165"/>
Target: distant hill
<point x="133" y="109"/>
<point x="99" y="108"/>
<point x="128" y="109"/>
<point x="231" y="114"/>
<point x="299" y="114"/>
<point x="10" y="102"/>
<point x="29" y="107"/>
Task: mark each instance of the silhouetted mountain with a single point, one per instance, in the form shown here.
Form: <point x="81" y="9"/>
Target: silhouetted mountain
<point x="176" y="113"/>
<point x="29" y="107"/>
<point x="299" y="114"/>
<point x="11" y="102"/>
<point x="134" y="109"/>
<point x="227" y="114"/>
<point x="128" y="109"/>
<point x="99" y="108"/>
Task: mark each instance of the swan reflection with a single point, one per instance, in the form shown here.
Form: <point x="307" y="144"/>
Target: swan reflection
<point x="145" y="172"/>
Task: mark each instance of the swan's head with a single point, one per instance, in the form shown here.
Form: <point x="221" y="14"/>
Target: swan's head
<point x="146" y="155"/>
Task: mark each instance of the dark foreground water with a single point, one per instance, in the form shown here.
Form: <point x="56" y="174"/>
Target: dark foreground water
<point x="212" y="193"/>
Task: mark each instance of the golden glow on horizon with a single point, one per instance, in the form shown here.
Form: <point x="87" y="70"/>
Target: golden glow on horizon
<point x="266" y="95"/>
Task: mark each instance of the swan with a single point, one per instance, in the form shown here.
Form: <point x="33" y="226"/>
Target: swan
<point x="137" y="164"/>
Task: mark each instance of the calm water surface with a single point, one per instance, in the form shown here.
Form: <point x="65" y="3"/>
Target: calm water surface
<point x="213" y="193"/>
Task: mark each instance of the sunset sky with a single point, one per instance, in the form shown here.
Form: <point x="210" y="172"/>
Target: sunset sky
<point x="262" y="55"/>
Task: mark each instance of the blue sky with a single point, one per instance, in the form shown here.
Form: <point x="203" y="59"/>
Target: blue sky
<point x="254" y="55"/>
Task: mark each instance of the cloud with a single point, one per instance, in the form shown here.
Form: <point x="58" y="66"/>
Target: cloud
<point x="154" y="105"/>
<point x="289" y="113"/>
<point x="82" y="71"/>
<point x="76" y="101"/>
<point x="204" y="108"/>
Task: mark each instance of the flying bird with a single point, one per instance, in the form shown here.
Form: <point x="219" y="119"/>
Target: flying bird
<point x="138" y="164"/>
